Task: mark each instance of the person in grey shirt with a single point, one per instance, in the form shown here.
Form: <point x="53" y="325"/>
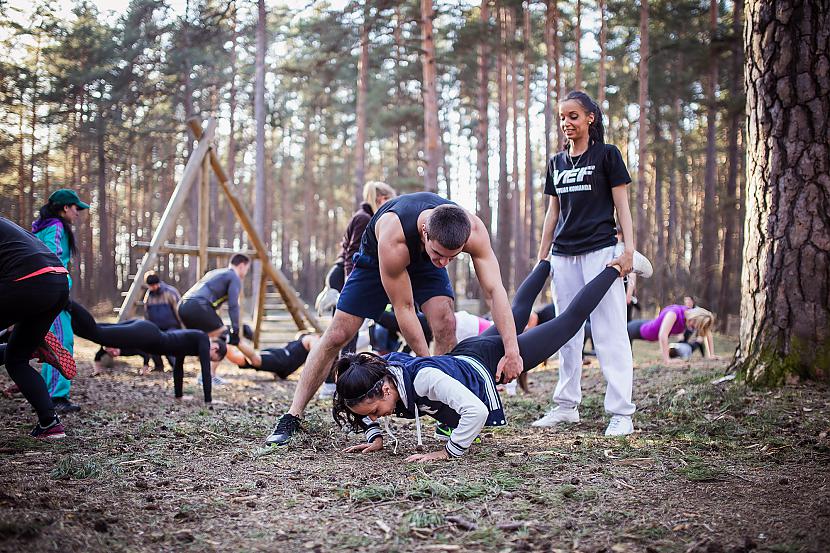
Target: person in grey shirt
<point x="198" y="306"/>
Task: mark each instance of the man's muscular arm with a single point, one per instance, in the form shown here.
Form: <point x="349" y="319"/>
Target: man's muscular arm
<point x="394" y="258"/>
<point x="487" y="270"/>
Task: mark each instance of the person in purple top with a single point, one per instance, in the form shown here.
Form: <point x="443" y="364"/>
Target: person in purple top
<point x="675" y="319"/>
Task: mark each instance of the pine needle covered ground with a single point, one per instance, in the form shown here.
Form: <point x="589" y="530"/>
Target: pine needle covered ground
<point x="710" y="468"/>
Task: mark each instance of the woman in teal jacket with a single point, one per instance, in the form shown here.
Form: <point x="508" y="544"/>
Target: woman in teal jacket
<point x="54" y="227"/>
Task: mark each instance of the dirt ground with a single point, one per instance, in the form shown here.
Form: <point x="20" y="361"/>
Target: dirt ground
<point x="711" y="467"/>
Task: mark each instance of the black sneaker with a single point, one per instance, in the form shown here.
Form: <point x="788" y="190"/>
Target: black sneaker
<point x="53" y="431"/>
<point x="285" y="429"/>
<point x="247" y="332"/>
<point x="63" y="405"/>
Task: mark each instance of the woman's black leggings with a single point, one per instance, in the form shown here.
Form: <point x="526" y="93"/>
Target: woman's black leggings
<point x="542" y="341"/>
<point x="31" y="306"/>
<point x="138" y="334"/>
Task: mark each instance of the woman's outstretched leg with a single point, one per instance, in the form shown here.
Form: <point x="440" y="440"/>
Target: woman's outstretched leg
<point x="540" y="342"/>
<point x="525" y="296"/>
<point x="83" y="323"/>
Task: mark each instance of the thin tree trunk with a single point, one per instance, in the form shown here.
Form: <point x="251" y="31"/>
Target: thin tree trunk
<point x="577" y="47"/>
<point x="260" y="197"/>
<point x="362" y="91"/>
<point x="504" y="222"/>
<point x="482" y="149"/>
<point x="530" y="196"/>
<point x="106" y="251"/>
<point x="785" y="312"/>
<point x="230" y="218"/>
<point x="550" y="69"/>
<point x="708" y="254"/>
<point x="673" y="229"/>
<point x="518" y="247"/>
<point x="642" y="137"/>
<point x="432" y="143"/>
<point x="24" y="209"/>
<point x="729" y="212"/>
<point x="309" y="281"/>
<point x="603" y="39"/>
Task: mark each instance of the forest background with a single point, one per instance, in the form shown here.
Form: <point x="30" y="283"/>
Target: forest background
<point x="97" y="101"/>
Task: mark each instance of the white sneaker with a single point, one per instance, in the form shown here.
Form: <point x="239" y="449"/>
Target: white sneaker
<point x="558" y="415"/>
<point x="218" y="381"/>
<point x="510" y="387"/>
<point x="620" y="425"/>
<point x="327" y="390"/>
<point x="642" y="266"/>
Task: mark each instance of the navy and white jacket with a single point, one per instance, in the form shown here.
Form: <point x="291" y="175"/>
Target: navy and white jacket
<point x="455" y="390"/>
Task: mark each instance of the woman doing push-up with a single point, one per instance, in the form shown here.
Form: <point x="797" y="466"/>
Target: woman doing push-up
<point x="459" y="389"/>
<point x="147" y="337"/>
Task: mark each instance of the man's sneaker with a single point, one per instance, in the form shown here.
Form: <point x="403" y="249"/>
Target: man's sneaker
<point x="285" y="429"/>
<point x="52" y="351"/>
<point x="641" y="265"/>
<point x="558" y="415"/>
<point x="247" y="332"/>
<point x="54" y="431"/>
<point x="327" y="390"/>
<point x="63" y="405"/>
<point x="218" y="381"/>
<point x="620" y="425"/>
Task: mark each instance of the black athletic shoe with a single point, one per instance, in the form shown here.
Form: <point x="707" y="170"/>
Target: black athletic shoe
<point x="285" y="429"/>
<point x="53" y="431"/>
<point x="63" y="405"/>
<point x="247" y="332"/>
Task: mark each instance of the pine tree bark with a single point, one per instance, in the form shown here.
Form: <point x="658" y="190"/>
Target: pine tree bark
<point x="362" y="91"/>
<point x="785" y="308"/>
<point x="432" y="143"/>
<point x="709" y="247"/>
<point x="106" y="269"/>
<point x="230" y="218"/>
<point x="483" y="134"/>
<point x="642" y="135"/>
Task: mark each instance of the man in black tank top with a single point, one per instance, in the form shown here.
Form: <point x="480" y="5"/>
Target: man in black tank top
<point x="402" y="260"/>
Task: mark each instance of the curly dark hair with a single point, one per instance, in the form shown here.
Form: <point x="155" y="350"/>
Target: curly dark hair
<point x="358" y="377"/>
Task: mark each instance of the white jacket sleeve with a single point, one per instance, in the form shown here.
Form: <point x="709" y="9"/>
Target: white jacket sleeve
<point x="439" y="386"/>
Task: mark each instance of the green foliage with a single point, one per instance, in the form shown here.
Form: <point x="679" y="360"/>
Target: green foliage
<point x="75" y="468"/>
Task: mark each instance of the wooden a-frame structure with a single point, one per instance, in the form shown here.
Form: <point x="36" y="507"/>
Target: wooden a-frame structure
<point x="204" y="158"/>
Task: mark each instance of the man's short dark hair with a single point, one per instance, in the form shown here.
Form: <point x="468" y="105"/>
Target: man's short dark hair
<point x="151" y="278"/>
<point x="239" y="259"/>
<point x="449" y="225"/>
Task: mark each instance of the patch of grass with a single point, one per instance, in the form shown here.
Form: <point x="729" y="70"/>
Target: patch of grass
<point x="574" y="493"/>
<point x="423" y="519"/>
<point x="72" y="468"/>
<point x="699" y="470"/>
<point x="372" y="492"/>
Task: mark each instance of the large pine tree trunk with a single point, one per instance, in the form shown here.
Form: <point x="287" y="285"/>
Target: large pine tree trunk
<point x="432" y="143"/>
<point x="482" y="149"/>
<point x="727" y="303"/>
<point x="362" y="91"/>
<point x="785" y="308"/>
<point x="642" y="136"/>
<point x="708" y="254"/>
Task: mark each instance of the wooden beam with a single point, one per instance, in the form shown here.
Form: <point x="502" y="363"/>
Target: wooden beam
<point x="204" y="216"/>
<point x="168" y="218"/>
<point x="296" y="307"/>
<point x="184" y="249"/>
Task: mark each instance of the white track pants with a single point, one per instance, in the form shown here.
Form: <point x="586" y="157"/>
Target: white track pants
<point x="608" y="329"/>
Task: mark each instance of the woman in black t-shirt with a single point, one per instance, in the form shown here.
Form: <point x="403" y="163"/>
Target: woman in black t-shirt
<point x="587" y="184"/>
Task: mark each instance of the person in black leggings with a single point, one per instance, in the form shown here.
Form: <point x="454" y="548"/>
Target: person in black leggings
<point x="279" y="361"/>
<point x="33" y="289"/>
<point x="147" y="337"/>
